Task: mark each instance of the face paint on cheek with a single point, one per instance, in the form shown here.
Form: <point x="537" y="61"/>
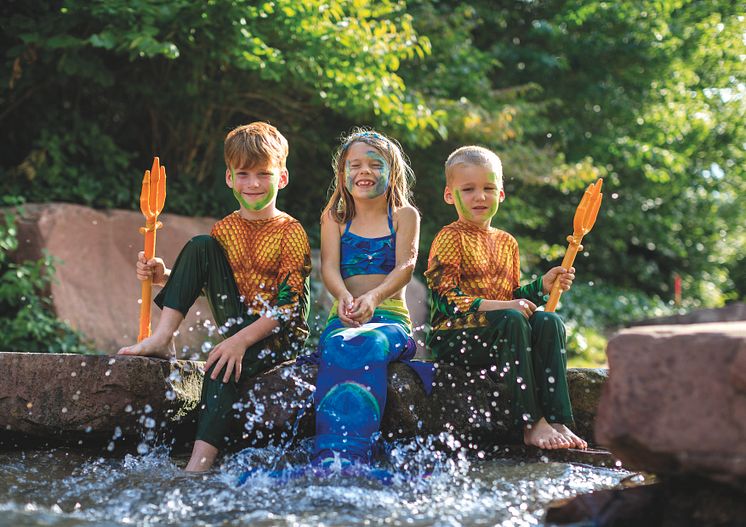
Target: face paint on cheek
<point x="348" y="177"/>
<point x="493" y="208"/>
<point x="241" y="201"/>
<point x="460" y="205"/>
<point x="382" y="183"/>
<point x="274" y="182"/>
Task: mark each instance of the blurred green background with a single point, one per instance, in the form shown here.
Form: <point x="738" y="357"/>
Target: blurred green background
<point x="647" y="94"/>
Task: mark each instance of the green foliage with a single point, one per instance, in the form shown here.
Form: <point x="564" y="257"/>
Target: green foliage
<point x="26" y="320"/>
<point x="649" y="95"/>
<point x="592" y="311"/>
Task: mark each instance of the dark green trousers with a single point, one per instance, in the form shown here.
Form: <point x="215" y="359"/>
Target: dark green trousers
<point x="202" y="268"/>
<point x="526" y="354"/>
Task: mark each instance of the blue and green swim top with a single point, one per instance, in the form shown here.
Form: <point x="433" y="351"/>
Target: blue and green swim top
<point x="361" y="256"/>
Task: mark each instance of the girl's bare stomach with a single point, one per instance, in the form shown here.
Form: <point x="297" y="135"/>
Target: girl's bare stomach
<point x="361" y="284"/>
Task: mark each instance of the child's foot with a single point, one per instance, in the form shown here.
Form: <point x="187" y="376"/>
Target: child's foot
<point x="568" y="434"/>
<point x="542" y="435"/>
<point x="202" y="458"/>
<point x="153" y="346"/>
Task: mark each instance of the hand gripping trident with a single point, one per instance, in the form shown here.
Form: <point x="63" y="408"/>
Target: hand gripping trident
<point x="585" y="217"/>
<point x="152" y="198"/>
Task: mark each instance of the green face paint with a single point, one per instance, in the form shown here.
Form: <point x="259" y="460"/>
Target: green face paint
<point x="348" y="177"/>
<point x="461" y="208"/>
<point x="382" y="183"/>
<point x="274" y="182"/>
<point x="382" y="180"/>
<point x="466" y="213"/>
<point x="493" y="208"/>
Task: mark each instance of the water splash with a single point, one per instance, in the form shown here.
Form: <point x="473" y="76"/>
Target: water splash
<point x="436" y="482"/>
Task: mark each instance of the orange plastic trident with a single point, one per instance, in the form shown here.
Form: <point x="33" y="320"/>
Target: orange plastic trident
<point x="152" y="198"/>
<point x="585" y="217"/>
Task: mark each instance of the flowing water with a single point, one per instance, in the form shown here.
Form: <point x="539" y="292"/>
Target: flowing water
<point x="64" y="488"/>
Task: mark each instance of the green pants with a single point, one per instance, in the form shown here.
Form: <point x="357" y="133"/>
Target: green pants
<point x="202" y="267"/>
<point x="527" y="354"/>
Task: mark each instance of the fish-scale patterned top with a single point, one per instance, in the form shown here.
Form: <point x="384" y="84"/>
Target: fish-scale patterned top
<point x="271" y="262"/>
<point x="467" y="264"/>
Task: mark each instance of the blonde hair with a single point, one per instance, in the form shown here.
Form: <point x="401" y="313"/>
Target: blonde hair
<point x="250" y="144"/>
<point x="477" y="156"/>
<point x="341" y="205"/>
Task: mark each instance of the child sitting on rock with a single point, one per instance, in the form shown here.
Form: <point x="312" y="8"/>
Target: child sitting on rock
<point x="254" y="270"/>
<point x="481" y="317"/>
<point x="369" y="238"/>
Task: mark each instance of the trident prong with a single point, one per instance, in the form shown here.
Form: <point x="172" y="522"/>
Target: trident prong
<point x="152" y="200"/>
<point x="583" y="221"/>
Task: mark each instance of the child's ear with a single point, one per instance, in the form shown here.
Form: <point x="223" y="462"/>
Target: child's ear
<point x="284" y="178"/>
<point x="502" y="195"/>
<point x="228" y="178"/>
<point x="448" y="195"/>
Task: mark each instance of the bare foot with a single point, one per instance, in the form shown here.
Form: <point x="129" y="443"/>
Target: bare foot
<point x="203" y="456"/>
<point x="568" y="434"/>
<point x="153" y="346"/>
<point x="542" y="435"/>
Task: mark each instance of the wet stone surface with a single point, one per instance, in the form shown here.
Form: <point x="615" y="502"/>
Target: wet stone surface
<point x="127" y="402"/>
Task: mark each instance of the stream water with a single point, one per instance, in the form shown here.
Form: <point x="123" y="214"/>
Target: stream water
<point x="62" y="488"/>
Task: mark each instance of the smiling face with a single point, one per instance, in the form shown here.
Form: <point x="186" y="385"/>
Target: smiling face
<point x="256" y="188"/>
<point x="475" y="192"/>
<point x="367" y="173"/>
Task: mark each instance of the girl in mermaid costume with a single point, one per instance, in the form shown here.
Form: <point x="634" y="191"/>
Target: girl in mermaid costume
<point x="369" y="240"/>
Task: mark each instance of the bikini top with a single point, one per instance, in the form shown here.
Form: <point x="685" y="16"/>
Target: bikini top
<point x="360" y="256"/>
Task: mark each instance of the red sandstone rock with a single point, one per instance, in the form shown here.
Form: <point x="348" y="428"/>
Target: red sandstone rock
<point x="675" y="400"/>
<point x="95" y="289"/>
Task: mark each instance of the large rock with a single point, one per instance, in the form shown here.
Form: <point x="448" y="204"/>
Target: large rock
<point x="673" y="502"/>
<point x="93" y="399"/>
<point x="675" y="401"/>
<point x="95" y="288"/>
<point x="70" y="398"/>
<point x="733" y="312"/>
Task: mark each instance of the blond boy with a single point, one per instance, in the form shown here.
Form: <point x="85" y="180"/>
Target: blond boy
<point x="483" y="318"/>
<point x="253" y="269"/>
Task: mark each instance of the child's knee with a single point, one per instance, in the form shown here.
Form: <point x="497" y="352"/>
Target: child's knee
<point x="203" y="241"/>
<point x="515" y="318"/>
<point x="544" y="318"/>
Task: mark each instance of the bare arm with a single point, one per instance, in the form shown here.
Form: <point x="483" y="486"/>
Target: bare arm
<point x="407" y="241"/>
<point x="330" y="273"/>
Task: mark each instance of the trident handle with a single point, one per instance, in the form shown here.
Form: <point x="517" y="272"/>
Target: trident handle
<point x="585" y="218"/>
<point x="572" y="251"/>
<point x="152" y="199"/>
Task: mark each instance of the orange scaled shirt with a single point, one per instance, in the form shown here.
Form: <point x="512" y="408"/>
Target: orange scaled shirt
<point x="271" y="263"/>
<point x="467" y="264"/>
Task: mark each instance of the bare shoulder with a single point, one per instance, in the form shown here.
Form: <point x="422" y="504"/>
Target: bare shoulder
<point x="329" y="223"/>
<point x="407" y="214"/>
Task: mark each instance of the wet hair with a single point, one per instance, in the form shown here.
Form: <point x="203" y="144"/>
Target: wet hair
<point x="251" y="144"/>
<point x="476" y="156"/>
<point x="341" y="205"/>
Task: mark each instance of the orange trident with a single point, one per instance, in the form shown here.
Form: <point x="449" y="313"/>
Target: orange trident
<point x="152" y="198"/>
<point x="585" y="217"/>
